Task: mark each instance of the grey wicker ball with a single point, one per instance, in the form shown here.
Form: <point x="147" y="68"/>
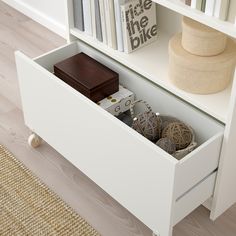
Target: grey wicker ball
<point x="167" y="145"/>
<point x="148" y="124"/>
<point x="179" y="133"/>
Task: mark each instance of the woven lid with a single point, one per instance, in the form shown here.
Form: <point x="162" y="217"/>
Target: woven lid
<point x="199" y="29"/>
<point x="213" y="63"/>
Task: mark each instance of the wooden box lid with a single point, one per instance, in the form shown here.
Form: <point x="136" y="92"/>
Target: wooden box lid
<point x="88" y="76"/>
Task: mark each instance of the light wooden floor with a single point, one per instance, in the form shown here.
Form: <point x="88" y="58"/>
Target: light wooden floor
<point x="106" y="215"/>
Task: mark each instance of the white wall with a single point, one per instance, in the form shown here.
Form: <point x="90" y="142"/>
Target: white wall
<point x="50" y="13"/>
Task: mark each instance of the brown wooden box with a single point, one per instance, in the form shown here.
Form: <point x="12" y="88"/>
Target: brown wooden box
<point x="88" y="76"/>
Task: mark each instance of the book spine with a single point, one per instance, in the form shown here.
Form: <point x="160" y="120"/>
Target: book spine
<point x="210" y="7"/>
<point x="199" y="5"/>
<point x="194" y="4"/>
<point x="94" y="31"/>
<point x="203" y="8"/>
<point x="188" y="2"/>
<point x="119" y="33"/>
<point x="221" y="9"/>
<point x="78" y="14"/>
<point x="103" y="21"/>
<point x="232" y="12"/>
<point x="124" y="30"/>
<point x="111" y="26"/>
<point x="98" y="21"/>
<point x="87" y="17"/>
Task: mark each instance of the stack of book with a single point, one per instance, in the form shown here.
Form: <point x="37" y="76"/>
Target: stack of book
<point x="222" y="9"/>
<point x="123" y="25"/>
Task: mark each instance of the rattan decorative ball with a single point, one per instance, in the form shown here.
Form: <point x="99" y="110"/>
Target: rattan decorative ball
<point x="148" y="124"/>
<point x="166" y="120"/>
<point x="179" y="133"/>
<point x="167" y="145"/>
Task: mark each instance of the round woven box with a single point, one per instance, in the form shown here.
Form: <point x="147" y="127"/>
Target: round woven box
<point x="201" y="75"/>
<point x="202" y="40"/>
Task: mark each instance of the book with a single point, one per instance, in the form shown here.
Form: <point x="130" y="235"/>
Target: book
<point x="188" y="2"/>
<point x="139" y="24"/>
<point x="221" y="9"/>
<point x="203" y="7"/>
<point x="94" y="32"/>
<point x="98" y="21"/>
<point x="78" y="14"/>
<point x="196" y="4"/>
<point x="199" y="5"/>
<point x="210" y="7"/>
<point x="110" y="23"/>
<point x="119" y="32"/>
<point x="232" y="12"/>
<point x="103" y="21"/>
<point x="87" y="17"/>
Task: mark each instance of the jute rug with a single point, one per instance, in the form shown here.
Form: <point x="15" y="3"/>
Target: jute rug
<point x="29" y="208"/>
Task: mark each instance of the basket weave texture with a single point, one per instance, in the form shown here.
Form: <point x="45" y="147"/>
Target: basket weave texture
<point x="29" y="207"/>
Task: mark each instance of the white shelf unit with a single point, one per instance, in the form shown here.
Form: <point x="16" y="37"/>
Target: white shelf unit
<point x="152" y="62"/>
<point x="154" y="186"/>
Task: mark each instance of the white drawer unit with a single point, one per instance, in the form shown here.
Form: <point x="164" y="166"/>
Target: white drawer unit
<point x="154" y="186"/>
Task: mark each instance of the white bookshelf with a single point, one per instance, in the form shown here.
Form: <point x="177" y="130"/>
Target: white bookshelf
<point x="152" y="63"/>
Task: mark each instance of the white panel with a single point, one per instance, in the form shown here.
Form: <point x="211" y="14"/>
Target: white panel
<point x="131" y="169"/>
<point x="194" y="198"/>
<point x="51" y="14"/>
<point x="225" y="194"/>
<point x="198" y="164"/>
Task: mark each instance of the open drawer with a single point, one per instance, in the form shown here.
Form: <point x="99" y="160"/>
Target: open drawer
<point x="154" y="186"/>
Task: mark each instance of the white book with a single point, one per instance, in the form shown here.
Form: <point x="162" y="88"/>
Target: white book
<point x="110" y="23"/>
<point x="194" y="4"/>
<point x="210" y="7"/>
<point x="93" y="18"/>
<point x="221" y="9"/>
<point x="232" y="12"/>
<point x="199" y="5"/>
<point x="119" y="31"/>
<point x="139" y="24"/>
<point x="103" y="21"/>
<point x="87" y="17"/>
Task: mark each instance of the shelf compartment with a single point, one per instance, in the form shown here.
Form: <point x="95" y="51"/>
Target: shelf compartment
<point x="152" y="63"/>
<point x="108" y="151"/>
<point x="181" y="8"/>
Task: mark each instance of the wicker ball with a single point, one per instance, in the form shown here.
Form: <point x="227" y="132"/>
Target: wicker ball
<point x="167" y="145"/>
<point x="179" y="133"/>
<point x="148" y="124"/>
<point x="166" y="120"/>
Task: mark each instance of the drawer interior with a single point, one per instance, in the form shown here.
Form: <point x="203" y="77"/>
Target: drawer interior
<point x="163" y="102"/>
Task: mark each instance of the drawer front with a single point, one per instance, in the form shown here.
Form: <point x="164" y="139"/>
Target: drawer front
<point x="119" y="160"/>
<point x="194" y="197"/>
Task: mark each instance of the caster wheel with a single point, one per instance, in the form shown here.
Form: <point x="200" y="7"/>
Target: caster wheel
<point x="34" y="140"/>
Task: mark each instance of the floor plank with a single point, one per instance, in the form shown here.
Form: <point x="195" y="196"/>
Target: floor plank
<point x="18" y="32"/>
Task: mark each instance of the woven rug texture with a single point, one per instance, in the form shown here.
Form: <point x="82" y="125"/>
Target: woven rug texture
<point x="29" y="208"/>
